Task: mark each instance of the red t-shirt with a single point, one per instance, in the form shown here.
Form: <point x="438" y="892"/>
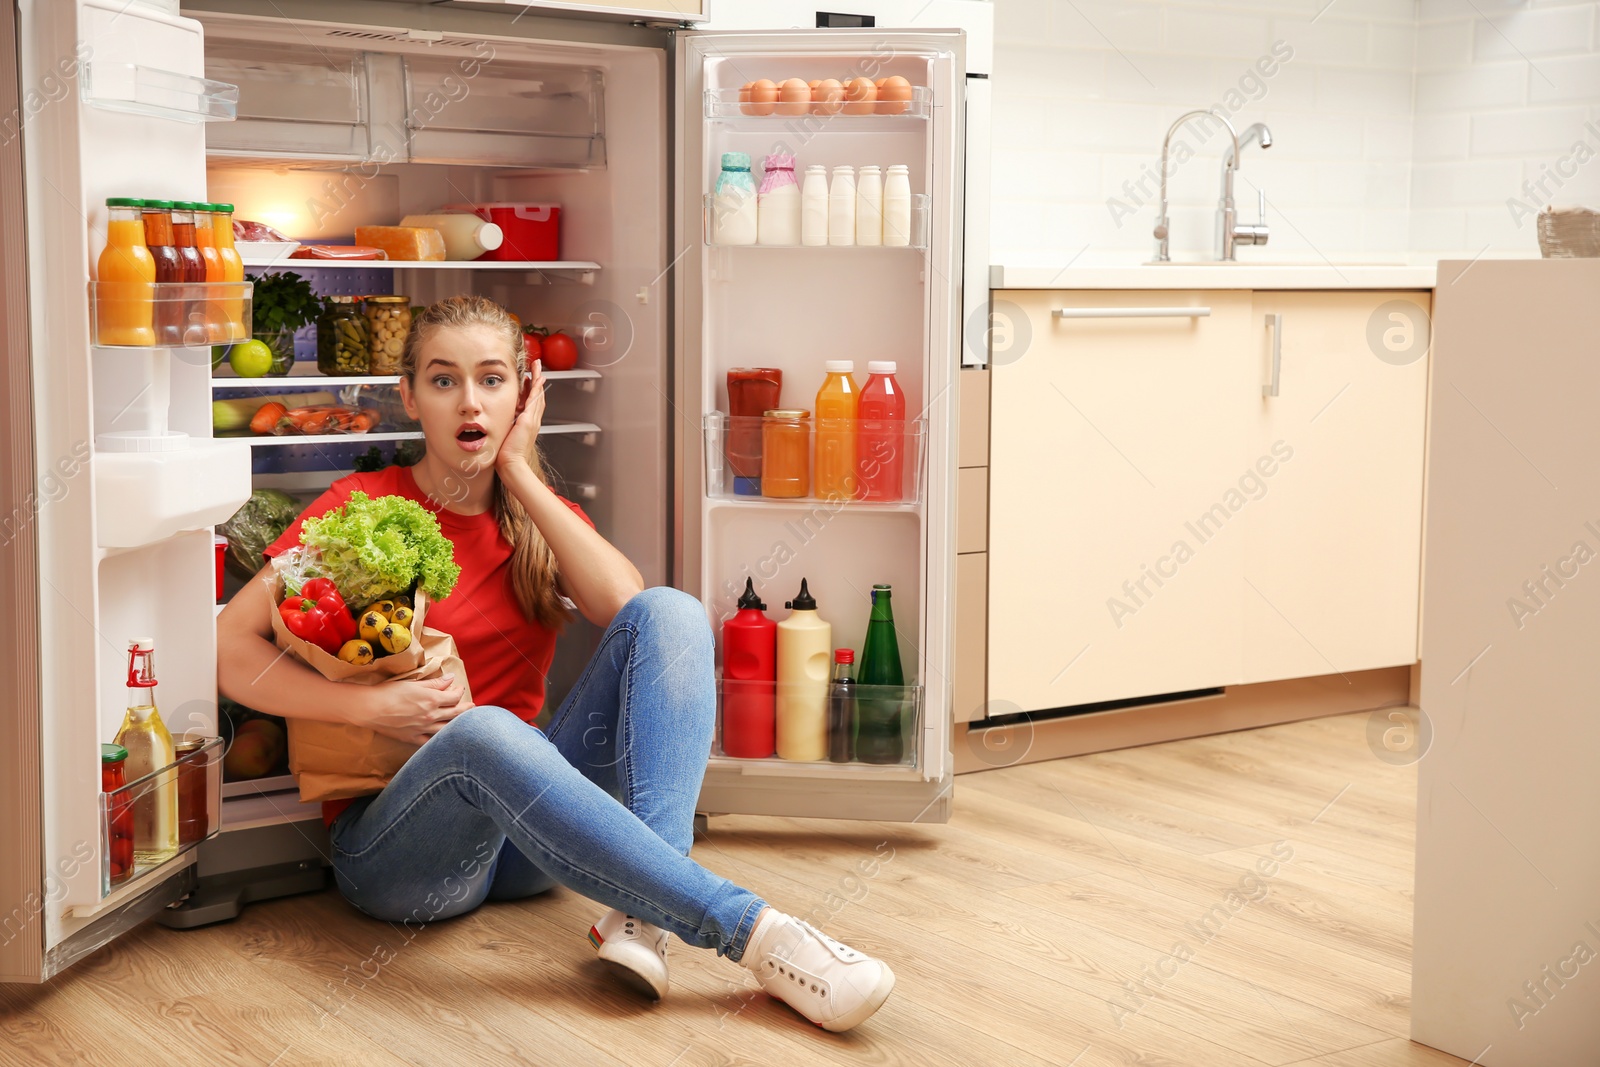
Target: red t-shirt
<point x="506" y="656"/>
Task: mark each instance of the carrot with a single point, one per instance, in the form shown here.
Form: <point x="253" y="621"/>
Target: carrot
<point x="312" y="420"/>
<point x="266" y="418"/>
<point x="363" y="421"/>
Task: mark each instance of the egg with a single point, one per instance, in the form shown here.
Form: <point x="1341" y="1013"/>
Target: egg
<point x="859" y="96"/>
<point x="795" y="95"/>
<point x="894" y="96"/>
<point x="763" y="97"/>
<point x="827" y="96"/>
<point x="744" y="98"/>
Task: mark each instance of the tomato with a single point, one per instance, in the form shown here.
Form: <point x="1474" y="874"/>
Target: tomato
<point x="560" y="352"/>
<point x="531" y="343"/>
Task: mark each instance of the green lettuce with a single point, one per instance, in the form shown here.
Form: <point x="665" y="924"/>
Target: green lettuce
<point x="376" y="548"/>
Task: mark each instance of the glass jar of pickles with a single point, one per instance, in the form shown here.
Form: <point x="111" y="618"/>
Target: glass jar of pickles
<point x="343" y="341"/>
<point x="388" y="322"/>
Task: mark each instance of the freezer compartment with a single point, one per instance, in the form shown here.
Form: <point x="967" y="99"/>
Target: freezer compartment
<point x="188" y="793"/>
<point x="881" y="464"/>
<point x="476" y="110"/>
<point x="878" y="726"/>
<point x="169" y="314"/>
<point x="140" y="90"/>
<point x="145" y="497"/>
<point x="916" y="238"/>
<point x="814" y="116"/>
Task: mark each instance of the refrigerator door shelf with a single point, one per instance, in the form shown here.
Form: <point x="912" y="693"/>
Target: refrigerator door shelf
<point x="196" y="314"/>
<point x="900" y="704"/>
<point x="733" y="454"/>
<point x="197" y="779"/>
<point x="572" y="270"/>
<point x="724" y="105"/>
<point x="916" y="238"/>
<point x="145" y="497"/>
<point x="163" y="94"/>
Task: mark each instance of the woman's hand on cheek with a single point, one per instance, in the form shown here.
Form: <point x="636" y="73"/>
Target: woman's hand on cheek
<point x="518" y="447"/>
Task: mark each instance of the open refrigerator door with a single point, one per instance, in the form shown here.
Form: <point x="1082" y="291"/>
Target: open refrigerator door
<point x="773" y="280"/>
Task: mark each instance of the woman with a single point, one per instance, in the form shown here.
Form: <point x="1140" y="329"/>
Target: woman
<point x="490" y="807"/>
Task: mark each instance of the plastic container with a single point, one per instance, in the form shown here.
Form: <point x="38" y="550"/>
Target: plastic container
<point x="897" y="226"/>
<point x="842" y="207"/>
<point x="749" y="669"/>
<point x="814" y="206"/>
<point x="869" y="207"/>
<point x="735" y="217"/>
<point x="778" y="204"/>
<point x="466" y="236"/>
<point x="834" y="472"/>
<point x="805" y="654"/>
<point x="529" y="230"/>
<point x="881" y="442"/>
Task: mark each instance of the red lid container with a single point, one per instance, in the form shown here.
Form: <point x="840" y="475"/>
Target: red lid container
<point x="532" y="230"/>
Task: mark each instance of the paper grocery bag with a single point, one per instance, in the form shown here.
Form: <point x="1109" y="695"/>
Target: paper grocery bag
<point x="332" y="761"/>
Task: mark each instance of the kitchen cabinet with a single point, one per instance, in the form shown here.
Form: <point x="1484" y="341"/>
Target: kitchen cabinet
<point x="1160" y="524"/>
<point x="1334" y="537"/>
<point x="1111" y="436"/>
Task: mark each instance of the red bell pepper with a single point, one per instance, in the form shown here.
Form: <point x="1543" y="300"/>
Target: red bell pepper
<point x="317" y="621"/>
<point x="326" y="595"/>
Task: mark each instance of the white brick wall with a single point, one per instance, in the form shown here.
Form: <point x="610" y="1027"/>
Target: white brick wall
<point x="1402" y="127"/>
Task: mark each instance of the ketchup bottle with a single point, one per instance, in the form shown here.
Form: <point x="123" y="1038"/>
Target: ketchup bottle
<point x="749" y="670"/>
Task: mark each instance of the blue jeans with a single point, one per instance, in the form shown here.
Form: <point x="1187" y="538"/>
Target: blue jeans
<point x="491" y="808"/>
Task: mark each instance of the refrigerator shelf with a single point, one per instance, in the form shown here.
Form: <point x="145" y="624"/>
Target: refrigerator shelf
<point x="734" y="447"/>
<point x="250" y="787"/>
<point x="305" y="375"/>
<point x="748" y="705"/>
<point x="139" y="90"/>
<point x="917" y="239"/>
<point x="572" y="269"/>
<point x="194" y="780"/>
<point x="723" y="106"/>
<point x="180" y="314"/>
<point x="267" y="440"/>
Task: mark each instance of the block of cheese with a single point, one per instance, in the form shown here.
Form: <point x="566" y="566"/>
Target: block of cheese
<point x="403" y="242"/>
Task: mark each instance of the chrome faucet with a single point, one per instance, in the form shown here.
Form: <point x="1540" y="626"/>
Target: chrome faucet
<point x="1230" y="231"/>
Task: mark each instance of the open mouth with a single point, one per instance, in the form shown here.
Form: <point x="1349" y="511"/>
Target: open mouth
<point x="470" y="433"/>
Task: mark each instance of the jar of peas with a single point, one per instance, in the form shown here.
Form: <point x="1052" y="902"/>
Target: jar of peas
<point x="388" y="322"/>
<point x="343" y="341"/>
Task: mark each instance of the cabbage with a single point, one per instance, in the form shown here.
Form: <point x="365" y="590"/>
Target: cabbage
<point x="254" y="527"/>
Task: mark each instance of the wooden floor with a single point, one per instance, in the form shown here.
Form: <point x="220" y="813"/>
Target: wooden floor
<point x="1094" y="911"/>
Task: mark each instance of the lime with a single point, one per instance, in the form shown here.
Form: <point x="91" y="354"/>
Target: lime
<point x="250" y="359"/>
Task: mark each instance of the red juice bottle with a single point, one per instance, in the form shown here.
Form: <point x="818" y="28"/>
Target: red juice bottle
<point x="881" y="436"/>
<point x="158" y="237"/>
<point x="749" y="671"/>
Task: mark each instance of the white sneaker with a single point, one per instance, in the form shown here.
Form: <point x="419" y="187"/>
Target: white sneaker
<point x="831" y="984"/>
<point x="636" y="951"/>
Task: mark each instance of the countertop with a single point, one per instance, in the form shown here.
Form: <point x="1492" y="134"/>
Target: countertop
<point x="1201" y="276"/>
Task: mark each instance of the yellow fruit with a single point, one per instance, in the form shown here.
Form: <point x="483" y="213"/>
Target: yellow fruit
<point x="403" y="601"/>
<point x="370" y="625"/>
<point x="384" y="608"/>
<point x="395" y="638"/>
<point x="402" y="616"/>
<point x="356" y="651"/>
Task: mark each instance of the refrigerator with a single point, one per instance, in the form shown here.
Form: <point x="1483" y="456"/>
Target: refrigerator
<point x="319" y="117"/>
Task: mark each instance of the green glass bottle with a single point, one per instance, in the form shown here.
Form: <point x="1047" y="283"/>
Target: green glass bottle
<point x="880" y="709"/>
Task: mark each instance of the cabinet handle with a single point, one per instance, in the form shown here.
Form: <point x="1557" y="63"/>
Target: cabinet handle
<point x="1275" y="324"/>
<point x="1131" y="313"/>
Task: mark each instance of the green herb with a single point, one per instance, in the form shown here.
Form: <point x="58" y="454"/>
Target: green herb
<point x="376" y="548"/>
<point x="283" y="302"/>
<point x="370" y="460"/>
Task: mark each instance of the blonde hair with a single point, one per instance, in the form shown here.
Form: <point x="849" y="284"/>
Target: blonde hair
<point x="533" y="565"/>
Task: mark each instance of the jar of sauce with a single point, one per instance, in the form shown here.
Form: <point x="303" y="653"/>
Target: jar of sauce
<point x="119" y="814"/>
<point x="194" y="799"/>
<point x="785" y="452"/>
<point x="751" y="391"/>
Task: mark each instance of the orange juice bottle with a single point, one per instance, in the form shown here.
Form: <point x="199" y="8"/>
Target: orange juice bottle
<point x="124" y="301"/>
<point x="232" y="268"/>
<point x="216" y="324"/>
<point x="835" y="467"/>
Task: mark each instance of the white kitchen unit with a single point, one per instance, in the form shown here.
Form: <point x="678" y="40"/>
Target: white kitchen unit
<point x="1199" y="489"/>
<point x="310" y="112"/>
<point x="1506" y="934"/>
